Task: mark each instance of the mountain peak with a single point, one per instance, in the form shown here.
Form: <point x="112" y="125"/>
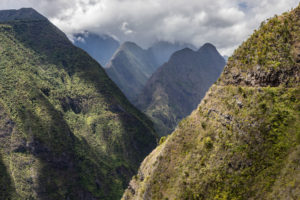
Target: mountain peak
<point x="207" y="46"/>
<point x="187" y="49"/>
<point x="130" y="44"/>
<point x="181" y="54"/>
<point x="130" y="67"/>
<point x="183" y="51"/>
<point x="26" y="14"/>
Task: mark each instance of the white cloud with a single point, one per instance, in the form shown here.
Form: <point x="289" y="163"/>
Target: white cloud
<point x="225" y="23"/>
<point x="125" y="28"/>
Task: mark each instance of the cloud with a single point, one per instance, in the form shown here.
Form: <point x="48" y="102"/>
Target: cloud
<point x="125" y="28"/>
<point x="225" y="23"/>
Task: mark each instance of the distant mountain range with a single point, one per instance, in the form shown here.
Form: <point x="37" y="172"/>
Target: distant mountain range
<point x="131" y="66"/>
<point x="178" y="86"/>
<point x="179" y="81"/>
<point x="100" y="47"/>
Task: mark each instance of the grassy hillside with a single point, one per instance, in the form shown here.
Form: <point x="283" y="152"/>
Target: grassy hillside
<point x="243" y="140"/>
<point x="66" y="130"/>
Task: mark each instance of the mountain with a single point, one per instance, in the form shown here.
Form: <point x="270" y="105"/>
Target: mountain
<point x="22" y="14"/>
<point x="243" y="140"/>
<point x="178" y="86"/>
<point x="100" y="47"/>
<point x="162" y="50"/>
<point x="130" y="68"/>
<point x="66" y="130"/>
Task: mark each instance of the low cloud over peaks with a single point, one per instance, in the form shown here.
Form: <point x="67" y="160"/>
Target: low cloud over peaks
<point x="225" y="23"/>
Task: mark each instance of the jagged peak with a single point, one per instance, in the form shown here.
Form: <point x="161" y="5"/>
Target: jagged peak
<point x="207" y="46"/>
<point x="27" y="14"/>
<point x="185" y="50"/>
<point x="125" y="47"/>
<point x="181" y="52"/>
<point x="129" y="44"/>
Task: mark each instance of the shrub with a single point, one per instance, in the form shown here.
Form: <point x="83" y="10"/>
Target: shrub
<point x="208" y="143"/>
<point x="203" y="124"/>
<point x="162" y="140"/>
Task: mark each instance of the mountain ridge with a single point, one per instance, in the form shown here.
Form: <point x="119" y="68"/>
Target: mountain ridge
<point x="243" y="140"/>
<point x="66" y="130"/>
<point x="140" y="62"/>
<point x="20" y="14"/>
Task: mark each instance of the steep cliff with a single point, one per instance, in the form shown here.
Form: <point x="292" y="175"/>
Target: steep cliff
<point x="243" y="140"/>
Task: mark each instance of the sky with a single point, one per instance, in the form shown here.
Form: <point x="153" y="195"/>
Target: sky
<point x="224" y="23"/>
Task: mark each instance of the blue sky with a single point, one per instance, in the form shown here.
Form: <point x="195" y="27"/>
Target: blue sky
<point x="225" y="23"/>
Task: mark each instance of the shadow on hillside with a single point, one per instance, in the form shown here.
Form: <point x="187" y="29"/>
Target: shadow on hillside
<point x="70" y="167"/>
<point x="6" y="188"/>
<point x="63" y="155"/>
<point x="58" y="50"/>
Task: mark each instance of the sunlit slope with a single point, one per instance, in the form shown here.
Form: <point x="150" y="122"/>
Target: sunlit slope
<point x="66" y="130"/>
<point x="243" y="140"/>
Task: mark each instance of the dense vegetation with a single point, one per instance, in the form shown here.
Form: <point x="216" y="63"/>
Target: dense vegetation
<point x="243" y="140"/>
<point x="178" y="86"/>
<point x="66" y="130"/>
<point x="269" y="56"/>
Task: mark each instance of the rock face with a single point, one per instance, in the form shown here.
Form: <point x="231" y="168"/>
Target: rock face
<point x="130" y="68"/>
<point x="178" y="86"/>
<point x="100" y="47"/>
<point x="66" y="130"/>
<point x="243" y="140"/>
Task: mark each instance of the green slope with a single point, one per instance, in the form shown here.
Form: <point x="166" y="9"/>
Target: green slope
<point x="66" y="130"/>
<point x="243" y="140"/>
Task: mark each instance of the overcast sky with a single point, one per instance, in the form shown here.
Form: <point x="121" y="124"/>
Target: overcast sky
<point x="224" y="23"/>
